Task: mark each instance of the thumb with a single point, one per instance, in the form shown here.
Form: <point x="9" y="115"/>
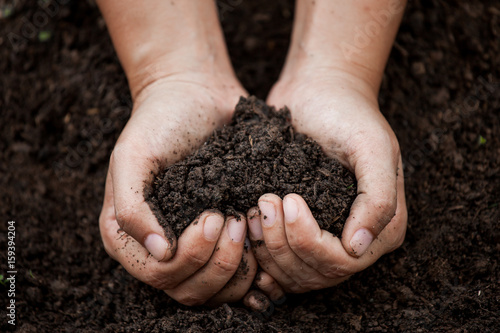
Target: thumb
<point x="375" y="166"/>
<point x="132" y="171"/>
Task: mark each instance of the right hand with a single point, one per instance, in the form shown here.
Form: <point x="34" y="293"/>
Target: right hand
<point x="171" y="117"/>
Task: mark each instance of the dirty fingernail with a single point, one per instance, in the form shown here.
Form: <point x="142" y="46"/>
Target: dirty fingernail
<point x="254" y="227"/>
<point x="156" y="245"/>
<point x="236" y="229"/>
<point x="212" y="227"/>
<point x="268" y="213"/>
<point x="247" y="245"/>
<point x="361" y="241"/>
<point x="291" y="210"/>
<point x="256" y="301"/>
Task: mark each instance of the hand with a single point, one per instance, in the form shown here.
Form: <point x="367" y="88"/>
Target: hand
<point x="171" y="117"/>
<point x="340" y="112"/>
<point x="183" y="86"/>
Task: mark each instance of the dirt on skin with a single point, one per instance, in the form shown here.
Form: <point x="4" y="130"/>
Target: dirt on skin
<point x="258" y="152"/>
<point x="64" y="100"/>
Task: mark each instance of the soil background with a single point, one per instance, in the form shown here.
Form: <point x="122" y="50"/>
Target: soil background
<point x="64" y="100"/>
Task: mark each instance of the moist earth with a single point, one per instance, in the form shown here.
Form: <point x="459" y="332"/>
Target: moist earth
<point x="64" y="101"/>
<point x="258" y="152"/>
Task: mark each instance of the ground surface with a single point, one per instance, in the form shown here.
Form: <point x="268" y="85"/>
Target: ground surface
<point x="64" y="100"/>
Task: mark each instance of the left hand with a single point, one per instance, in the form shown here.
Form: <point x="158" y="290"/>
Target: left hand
<point x="341" y="113"/>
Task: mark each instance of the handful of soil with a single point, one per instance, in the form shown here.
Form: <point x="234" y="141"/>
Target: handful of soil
<point x="258" y="153"/>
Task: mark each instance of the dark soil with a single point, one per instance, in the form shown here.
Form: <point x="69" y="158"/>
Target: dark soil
<point x="65" y="100"/>
<point x="257" y="153"/>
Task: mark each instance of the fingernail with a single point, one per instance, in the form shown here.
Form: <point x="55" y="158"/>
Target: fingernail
<point x="247" y="244"/>
<point x="157" y="246"/>
<point x="268" y="213"/>
<point x="256" y="301"/>
<point x="212" y="227"/>
<point x="291" y="210"/>
<point x="360" y="241"/>
<point x="236" y="230"/>
<point x="254" y="227"/>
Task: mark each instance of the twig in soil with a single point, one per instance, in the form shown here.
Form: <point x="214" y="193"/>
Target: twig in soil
<point x="325" y="172"/>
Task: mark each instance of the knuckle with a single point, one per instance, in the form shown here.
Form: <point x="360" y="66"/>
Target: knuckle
<point x="108" y="246"/>
<point x="295" y="288"/>
<point x="277" y="248"/>
<point x="189" y="299"/>
<point x="313" y="283"/>
<point x="336" y="272"/>
<point x="124" y="216"/>
<point x="300" y="243"/>
<point x="265" y="261"/>
<point x="165" y="283"/>
<point x="398" y="232"/>
<point x="154" y="279"/>
<point x="160" y="281"/>
<point x="397" y="243"/>
<point x="226" y="267"/>
<point x="196" y="258"/>
<point x="385" y="208"/>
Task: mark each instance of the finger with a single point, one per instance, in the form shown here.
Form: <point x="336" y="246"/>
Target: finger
<point x="257" y="301"/>
<point x="108" y="227"/>
<point x="319" y="248"/>
<point x="195" y="247"/>
<point x="130" y="169"/>
<point x="260" y="251"/>
<point x="393" y="234"/>
<point x="241" y="281"/>
<point x="269" y="287"/>
<point x="375" y="166"/>
<point x="221" y="267"/>
<point x="272" y="220"/>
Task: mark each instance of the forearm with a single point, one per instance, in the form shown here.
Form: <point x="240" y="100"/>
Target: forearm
<point x="355" y="36"/>
<point x="159" y="38"/>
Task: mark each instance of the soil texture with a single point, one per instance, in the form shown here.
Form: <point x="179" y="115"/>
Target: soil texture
<point x="64" y="100"/>
<point x="257" y="153"/>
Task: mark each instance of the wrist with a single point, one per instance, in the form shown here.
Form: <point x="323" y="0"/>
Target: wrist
<point x="299" y="74"/>
<point x="354" y="37"/>
<point x="189" y="66"/>
<point x="163" y="38"/>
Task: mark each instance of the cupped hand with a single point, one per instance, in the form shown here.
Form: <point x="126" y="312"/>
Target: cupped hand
<point x="340" y="112"/>
<point x="171" y="117"/>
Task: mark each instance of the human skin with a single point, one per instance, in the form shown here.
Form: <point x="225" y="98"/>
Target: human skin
<point x="330" y="82"/>
<point x="183" y="87"/>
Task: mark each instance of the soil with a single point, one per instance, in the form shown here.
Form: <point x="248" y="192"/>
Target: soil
<point x="64" y="101"/>
<point x="258" y="152"/>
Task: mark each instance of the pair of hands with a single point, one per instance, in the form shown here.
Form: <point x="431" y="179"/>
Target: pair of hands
<point x="173" y="115"/>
